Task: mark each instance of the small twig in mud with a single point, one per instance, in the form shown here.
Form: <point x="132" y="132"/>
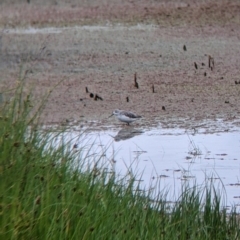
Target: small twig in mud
<point x="97" y="97"/>
<point x="135" y="81"/>
<point x="195" y="65"/>
<point x="153" y="89"/>
<point x="210" y="62"/>
<point x="94" y="96"/>
<point x="127" y="99"/>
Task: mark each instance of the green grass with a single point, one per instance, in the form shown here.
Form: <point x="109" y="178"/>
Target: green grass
<point x="42" y="196"/>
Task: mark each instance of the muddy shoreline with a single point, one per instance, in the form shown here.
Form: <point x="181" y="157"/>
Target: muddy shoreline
<point x="104" y="56"/>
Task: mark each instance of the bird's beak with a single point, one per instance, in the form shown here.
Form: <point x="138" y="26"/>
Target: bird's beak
<point x="111" y="115"/>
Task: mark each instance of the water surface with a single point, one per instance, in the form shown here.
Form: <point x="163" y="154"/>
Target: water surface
<point x="171" y="156"/>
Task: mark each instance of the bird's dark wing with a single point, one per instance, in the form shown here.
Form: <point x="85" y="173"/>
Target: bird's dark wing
<point x="131" y="115"/>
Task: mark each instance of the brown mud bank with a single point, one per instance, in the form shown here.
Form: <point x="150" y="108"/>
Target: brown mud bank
<point x="120" y="44"/>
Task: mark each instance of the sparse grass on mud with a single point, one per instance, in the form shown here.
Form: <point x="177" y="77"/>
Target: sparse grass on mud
<point x="43" y="197"/>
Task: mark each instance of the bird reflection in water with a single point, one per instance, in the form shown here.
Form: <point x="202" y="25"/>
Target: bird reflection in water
<point x="127" y="133"/>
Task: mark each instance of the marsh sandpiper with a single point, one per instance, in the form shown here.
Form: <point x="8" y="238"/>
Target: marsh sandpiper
<point x="125" y="116"/>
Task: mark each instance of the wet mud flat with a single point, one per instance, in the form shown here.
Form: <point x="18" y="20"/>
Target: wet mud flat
<point x="95" y="67"/>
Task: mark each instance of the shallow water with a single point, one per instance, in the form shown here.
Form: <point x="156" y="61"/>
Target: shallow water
<point x="173" y="156"/>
